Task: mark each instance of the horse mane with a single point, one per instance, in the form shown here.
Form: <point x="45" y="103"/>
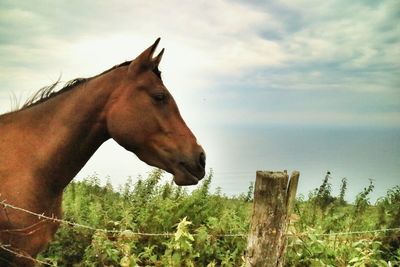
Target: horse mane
<point x="48" y="92"/>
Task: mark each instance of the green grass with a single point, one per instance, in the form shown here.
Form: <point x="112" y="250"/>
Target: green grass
<point x="199" y="221"/>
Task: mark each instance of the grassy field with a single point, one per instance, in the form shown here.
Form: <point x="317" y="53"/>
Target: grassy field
<point x="200" y="227"/>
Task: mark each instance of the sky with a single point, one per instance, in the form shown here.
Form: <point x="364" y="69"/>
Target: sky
<point x="307" y="85"/>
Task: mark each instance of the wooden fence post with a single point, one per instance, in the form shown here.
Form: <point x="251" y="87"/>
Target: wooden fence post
<point x="272" y="207"/>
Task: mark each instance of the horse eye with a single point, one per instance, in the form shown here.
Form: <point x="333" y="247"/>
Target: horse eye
<point x="160" y="97"/>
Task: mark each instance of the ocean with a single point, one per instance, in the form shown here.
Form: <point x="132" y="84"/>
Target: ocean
<point x="235" y="154"/>
<point x="357" y="154"/>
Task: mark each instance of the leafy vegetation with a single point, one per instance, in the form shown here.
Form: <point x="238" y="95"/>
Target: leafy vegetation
<point x="202" y="226"/>
<point x="358" y="243"/>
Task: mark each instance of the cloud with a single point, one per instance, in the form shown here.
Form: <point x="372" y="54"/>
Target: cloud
<point x="244" y="63"/>
<point x="215" y="39"/>
<point x="351" y="46"/>
<point x="217" y="52"/>
<point x="41" y="41"/>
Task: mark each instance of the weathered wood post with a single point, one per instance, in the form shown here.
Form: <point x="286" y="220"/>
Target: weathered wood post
<point x="272" y="207"/>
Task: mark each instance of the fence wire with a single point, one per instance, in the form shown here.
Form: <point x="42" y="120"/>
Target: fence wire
<point x="22" y="255"/>
<point x="74" y="224"/>
<point x="9" y="249"/>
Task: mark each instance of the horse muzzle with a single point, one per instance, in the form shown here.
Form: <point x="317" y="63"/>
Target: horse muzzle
<point x="190" y="172"/>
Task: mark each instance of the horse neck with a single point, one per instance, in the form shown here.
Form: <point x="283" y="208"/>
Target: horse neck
<point x="59" y="135"/>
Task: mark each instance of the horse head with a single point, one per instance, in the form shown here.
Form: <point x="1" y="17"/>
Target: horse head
<point x="144" y="118"/>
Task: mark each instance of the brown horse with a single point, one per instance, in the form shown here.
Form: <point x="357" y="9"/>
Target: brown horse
<point x="45" y="144"/>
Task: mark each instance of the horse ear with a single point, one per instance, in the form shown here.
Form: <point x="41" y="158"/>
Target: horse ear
<point x="145" y="59"/>
<point x="158" y="58"/>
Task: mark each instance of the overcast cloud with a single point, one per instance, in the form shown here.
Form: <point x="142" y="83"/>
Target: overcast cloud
<point x="236" y="63"/>
<point x="221" y="51"/>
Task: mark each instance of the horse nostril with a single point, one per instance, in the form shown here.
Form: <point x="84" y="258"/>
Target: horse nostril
<point x="203" y="160"/>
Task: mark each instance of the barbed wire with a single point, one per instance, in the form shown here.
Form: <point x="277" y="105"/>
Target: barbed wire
<point x="344" y="233"/>
<point x="9" y="249"/>
<point x="358" y="232"/>
<point x="21" y="255"/>
<point x="74" y="224"/>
